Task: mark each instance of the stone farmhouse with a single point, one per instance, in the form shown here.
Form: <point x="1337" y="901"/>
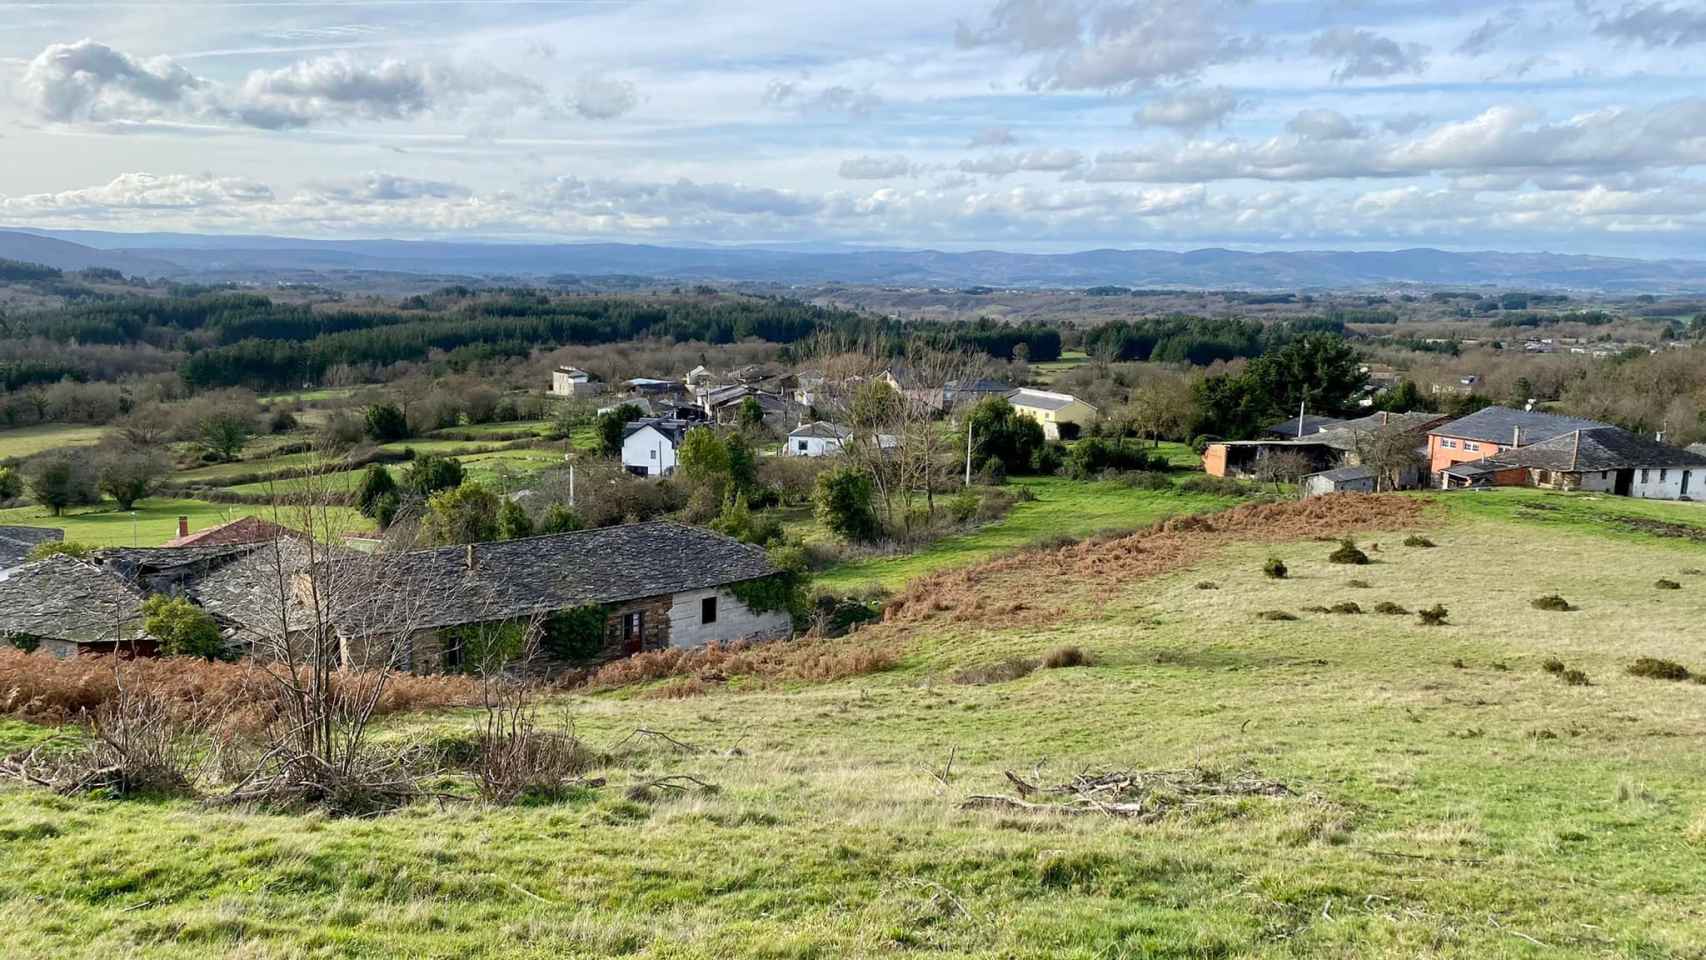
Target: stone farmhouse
<point x="644" y="586"/>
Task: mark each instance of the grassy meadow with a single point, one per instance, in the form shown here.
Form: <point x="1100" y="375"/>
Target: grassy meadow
<point x="1446" y="795"/>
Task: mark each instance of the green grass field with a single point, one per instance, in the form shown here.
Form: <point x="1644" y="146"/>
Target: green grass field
<point x="1448" y="797"/>
<point x="155" y="522"/>
<point x="29" y="441"/>
<point x="1047" y="371"/>
<point x="1062" y="508"/>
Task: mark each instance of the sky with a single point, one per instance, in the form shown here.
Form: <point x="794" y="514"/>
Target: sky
<point x="1576" y="126"/>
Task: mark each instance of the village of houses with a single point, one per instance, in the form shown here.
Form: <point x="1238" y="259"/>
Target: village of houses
<point x="665" y="584"/>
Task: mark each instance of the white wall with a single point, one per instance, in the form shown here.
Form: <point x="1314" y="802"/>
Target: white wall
<point x="815" y="446"/>
<point x="1670" y="488"/>
<point x="648" y="448"/>
<point x="735" y="621"/>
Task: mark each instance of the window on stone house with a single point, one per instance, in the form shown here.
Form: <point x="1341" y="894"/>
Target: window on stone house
<point x="633" y="624"/>
<point x="708" y="610"/>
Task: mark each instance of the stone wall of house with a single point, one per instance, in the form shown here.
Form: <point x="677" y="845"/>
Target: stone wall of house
<point x="422" y="652"/>
<point x="654" y="626"/>
<point x="735" y="620"/>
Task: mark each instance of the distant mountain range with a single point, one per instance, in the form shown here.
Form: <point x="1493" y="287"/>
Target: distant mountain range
<point x="191" y="257"/>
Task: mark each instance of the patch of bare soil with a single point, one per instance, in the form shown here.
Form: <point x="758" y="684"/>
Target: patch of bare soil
<point x="1142" y="795"/>
<point x="1665" y="528"/>
<point x="1004" y="590"/>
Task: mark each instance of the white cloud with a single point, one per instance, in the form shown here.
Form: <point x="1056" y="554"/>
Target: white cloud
<point x="1189" y="109"/>
<point x="602" y="98"/>
<point x="993" y="137"/>
<point x="141" y="191"/>
<point x="1483" y="38"/>
<point x="869" y="167"/>
<point x="90" y="81"/>
<point x="1323" y="124"/>
<point x="1655" y="25"/>
<point x="1113" y="45"/>
<point x="835" y="98"/>
<point x="1365" y="54"/>
<point x="1034" y="161"/>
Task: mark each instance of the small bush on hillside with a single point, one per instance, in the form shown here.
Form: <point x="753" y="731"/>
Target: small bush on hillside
<point x="1275" y="615"/>
<point x="1349" y="606"/>
<point x="1574" y="678"/>
<point x="1415" y="540"/>
<point x="1317" y="608"/>
<point x="1551" y="602"/>
<point x="61" y="548"/>
<point x="1692" y="571"/>
<point x="1010" y="669"/>
<point x="1433" y="616"/>
<point x="1144" y="480"/>
<point x="1656" y="669"/>
<point x="1348" y="553"/>
<point x="1552" y="665"/>
<point x="1357" y="584"/>
<point x="1664" y="584"/>
<point x="1062" y="657"/>
<point x="1207" y="585"/>
<point x="1212" y="486"/>
<point x="1390" y="608"/>
<point x="1275" y="568"/>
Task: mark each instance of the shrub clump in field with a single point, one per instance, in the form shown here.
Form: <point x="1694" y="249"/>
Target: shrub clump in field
<point x="1551" y="602"/>
<point x="1062" y="657"/>
<point x="1274" y="568"/>
<point x="1391" y="609"/>
<point x="1347" y="606"/>
<point x="1664" y="584"/>
<point x="999" y="672"/>
<point x="1416" y="540"/>
<point x="1275" y="615"/>
<point x="1552" y="665"/>
<point x="1357" y="584"/>
<point x="1317" y="608"/>
<point x="1348" y="552"/>
<point x="1574" y="678"/>
<point x="1434" y="616"/>
<point x="1207" y="585"/>
<point x="1655" y="669"/>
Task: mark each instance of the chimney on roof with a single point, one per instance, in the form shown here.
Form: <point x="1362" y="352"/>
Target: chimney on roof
<point x="1575" y="451"/>
<point x="183" y="526"/>
<point x="1516" y="437"/>
<point x="473" y="559"/>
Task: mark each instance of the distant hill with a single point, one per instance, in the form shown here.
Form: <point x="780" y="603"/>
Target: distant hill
<point x="260" y="257"/>
<point x="63" y="255"/>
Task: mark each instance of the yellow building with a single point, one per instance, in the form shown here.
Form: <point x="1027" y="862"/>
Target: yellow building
<point x="1052" y="410"/>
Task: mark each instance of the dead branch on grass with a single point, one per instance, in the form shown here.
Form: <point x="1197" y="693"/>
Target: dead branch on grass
<point x="1145" y="796"/>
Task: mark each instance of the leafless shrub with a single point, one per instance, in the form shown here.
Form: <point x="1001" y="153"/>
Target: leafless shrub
<point x="1062" y="657"/>
<point x="520" y="762"/>
<point x="141" y="744"/>
<point x="1552" y="602"/>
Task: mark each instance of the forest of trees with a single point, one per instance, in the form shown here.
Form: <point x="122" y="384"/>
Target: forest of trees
<point x="232" y="339"/>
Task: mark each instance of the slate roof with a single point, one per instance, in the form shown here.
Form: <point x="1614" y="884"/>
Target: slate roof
<point x="1499" y="425"/>
<point x="134" y="563"/>
<point x="246" y="594"/>
<point x="819" y="430"/>
<point x="241" y="530"/>
<point x="17" y="542"/>
<point x="517" y="578"/>
<point x="1041" y="399"/>
<point x="64" y="599"/>
<point x="1604" y="448"/>
<point x="1345" y="474"/>
<point x="1311" y="425"/>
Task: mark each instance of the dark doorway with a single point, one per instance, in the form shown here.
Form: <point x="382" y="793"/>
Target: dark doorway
<point x="633" y="631"/>
<point x="1625" y="482"/>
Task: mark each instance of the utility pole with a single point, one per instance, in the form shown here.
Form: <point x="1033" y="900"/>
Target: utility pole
<point x="968" y="450"/>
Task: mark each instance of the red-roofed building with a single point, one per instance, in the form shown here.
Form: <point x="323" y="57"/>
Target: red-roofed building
<point x="241" y="530"/>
